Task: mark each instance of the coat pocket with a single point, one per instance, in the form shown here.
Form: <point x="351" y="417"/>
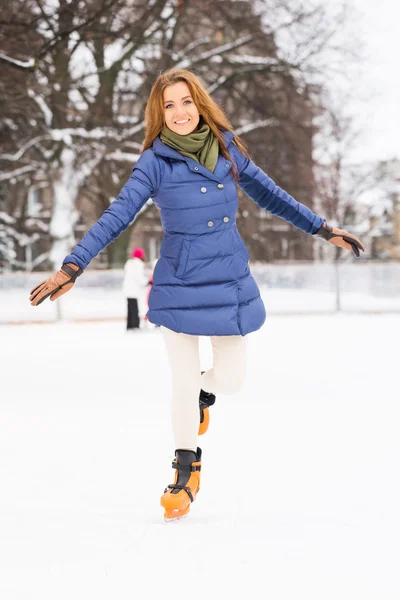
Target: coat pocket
<point x="183" y="259"/>
<point x="243" y="252"/>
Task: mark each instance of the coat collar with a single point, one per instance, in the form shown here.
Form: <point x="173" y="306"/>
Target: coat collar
<point x="222" y="164"/>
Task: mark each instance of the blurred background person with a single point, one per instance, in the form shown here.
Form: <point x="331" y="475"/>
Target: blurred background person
<point x="134" y="286"/>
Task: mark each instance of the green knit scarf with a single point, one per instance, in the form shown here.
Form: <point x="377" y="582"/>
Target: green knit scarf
<point x="201" y="145"/>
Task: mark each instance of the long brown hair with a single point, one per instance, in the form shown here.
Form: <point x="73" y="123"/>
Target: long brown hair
<point x="211" y="113"/>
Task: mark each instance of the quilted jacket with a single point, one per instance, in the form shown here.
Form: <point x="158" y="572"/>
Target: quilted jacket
<point x="202" y="284"/>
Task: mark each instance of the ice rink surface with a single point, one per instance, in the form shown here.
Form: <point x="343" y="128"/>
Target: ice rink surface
<point x="300" y="486"/>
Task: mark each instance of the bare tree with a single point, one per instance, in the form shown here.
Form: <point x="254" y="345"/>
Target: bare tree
<point x="84" y="72"/>
<point x="340" y="181"/>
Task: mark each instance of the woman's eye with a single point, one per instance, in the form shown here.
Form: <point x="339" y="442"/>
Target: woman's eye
<point x="169" y="105"/>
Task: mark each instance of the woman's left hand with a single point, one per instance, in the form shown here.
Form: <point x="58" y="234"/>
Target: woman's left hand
<point x="341" y="238"/>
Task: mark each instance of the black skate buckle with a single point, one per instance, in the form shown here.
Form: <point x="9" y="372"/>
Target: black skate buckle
<point x="175" y="486"/>
<point x="188" y="468"/>
<point x="206" y="399"/>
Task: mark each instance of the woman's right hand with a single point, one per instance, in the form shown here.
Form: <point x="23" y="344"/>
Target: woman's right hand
<point x="57" y="285"/>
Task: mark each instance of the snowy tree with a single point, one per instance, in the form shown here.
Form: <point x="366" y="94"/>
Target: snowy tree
<point x="340" y="181"/>
<point x="74" y="89"/>
<point x="84" y="70"/>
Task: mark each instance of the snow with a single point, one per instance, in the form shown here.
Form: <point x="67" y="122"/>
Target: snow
<point x="123" y="156"/>
<point x="199" y="41"/>
<point x="378" y="210"/>
<point x="10" y="175"/>
<point x="260" y="123"/>
<point x="114" y="51"/>
<point x="24" y="64"/>
<point x="48" y="115"/>
<point x="248" y="59"/>
<point x="186" y="63"/>
<point x="18" y="155"/>
<point x="7" y="218"/>
<point x="82" y="66"/>
<point x="300" y="492"/>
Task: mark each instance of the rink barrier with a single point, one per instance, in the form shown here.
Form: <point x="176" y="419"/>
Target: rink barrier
<point x="286" y="288"/>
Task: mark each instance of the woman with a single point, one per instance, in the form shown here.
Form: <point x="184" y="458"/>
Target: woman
<point x="191" y="165"/>
<point x="133" y="286"/>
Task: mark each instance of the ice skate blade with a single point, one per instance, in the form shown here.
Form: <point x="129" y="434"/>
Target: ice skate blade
<point x="175" y="519"/>
<point x="176" y="515"/>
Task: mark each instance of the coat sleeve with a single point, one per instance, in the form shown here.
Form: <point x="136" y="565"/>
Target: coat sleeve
<point x="264" y="191"/>
<point x="142" y="185"/>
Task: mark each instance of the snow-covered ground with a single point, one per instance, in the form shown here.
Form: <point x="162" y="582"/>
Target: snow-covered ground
<point x="300" y="484"/>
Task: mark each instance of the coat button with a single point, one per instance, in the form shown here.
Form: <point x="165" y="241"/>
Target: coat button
<point x="227" y="165"/>
<point x="226" y="219"/>
<point x="203" y="190"/>
<point x="210" y="223"/>
<point x="220" y="186"/>
<point x="196" y="168"/>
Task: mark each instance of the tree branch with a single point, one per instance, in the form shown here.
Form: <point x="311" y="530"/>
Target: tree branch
<point x="27" y="65"/>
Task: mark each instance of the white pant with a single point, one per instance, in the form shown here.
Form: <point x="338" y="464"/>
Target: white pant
<point x="226" y="377"/>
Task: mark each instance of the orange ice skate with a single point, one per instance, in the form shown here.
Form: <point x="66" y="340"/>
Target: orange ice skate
<point x="179" y="495"/>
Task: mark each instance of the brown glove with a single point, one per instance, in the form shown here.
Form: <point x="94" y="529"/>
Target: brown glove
<point x="56" y="285"/>
<point x="341" y="238"/>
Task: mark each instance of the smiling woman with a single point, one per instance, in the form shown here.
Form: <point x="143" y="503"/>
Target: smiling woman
<point x="191" y="166"/>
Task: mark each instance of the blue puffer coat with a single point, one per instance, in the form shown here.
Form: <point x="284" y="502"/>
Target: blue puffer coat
<point x="202" y="284"/>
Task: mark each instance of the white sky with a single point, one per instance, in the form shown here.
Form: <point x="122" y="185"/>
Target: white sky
<point x="299" y="496"/>
<point x="378" y="30"/>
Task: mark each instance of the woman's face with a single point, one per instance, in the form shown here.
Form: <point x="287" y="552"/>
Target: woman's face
<point x="180" y="112"/>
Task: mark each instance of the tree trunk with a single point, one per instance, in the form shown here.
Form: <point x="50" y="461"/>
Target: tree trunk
<point x="64" y="215"/>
